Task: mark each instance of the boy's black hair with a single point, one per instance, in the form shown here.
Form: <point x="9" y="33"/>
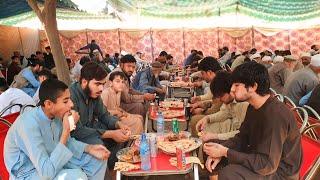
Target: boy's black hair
<point x="51" y="89"/>
<point x="114" y="74"/>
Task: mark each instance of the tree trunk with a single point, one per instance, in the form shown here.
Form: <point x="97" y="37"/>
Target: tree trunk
<point x="48" y="18"/>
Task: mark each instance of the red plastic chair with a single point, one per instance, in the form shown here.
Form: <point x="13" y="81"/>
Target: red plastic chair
<point x="4" y="127"/>
<point x="9" y="107"/>
<point x="301" y="116"/>
<point x="288" y="102"/>
<point x="5" y="123"/>
<point x="311" y="153"/>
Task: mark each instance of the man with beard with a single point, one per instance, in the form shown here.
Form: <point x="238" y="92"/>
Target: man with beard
<point x="131" y="100"/>
<point x="303" y="81"/>
<point x="268" y="145"/>
<point x="305" y="59"/>
<point x="27" y="80"/>
<point x="147" y="80"/>
<point x="96" y="125"/>
<point x="280" y="72"/>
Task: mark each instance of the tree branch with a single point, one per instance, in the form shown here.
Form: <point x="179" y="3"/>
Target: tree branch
<point x="34" y="5"/>
<point x="47" y="10"/>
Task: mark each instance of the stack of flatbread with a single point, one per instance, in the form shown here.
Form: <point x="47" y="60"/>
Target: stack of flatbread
<point x="189" y="160"/>
<point x="169" y="114"/>
<point x="125" y="166"/>
<point x="187" y="145"/>
<point x="171" y="104"/>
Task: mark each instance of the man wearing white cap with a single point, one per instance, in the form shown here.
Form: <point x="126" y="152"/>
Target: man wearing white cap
<point x="280" y="72"/>
<point x="278" y="59"/>
<point x="266" y="61"/>
<point x="305" y="59"/>
<point x="256" y="57"/>
<point x="315" y="49"/>
<point x="303" y="81"/>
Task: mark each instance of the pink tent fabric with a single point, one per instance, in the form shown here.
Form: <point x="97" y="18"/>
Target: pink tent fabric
<point x="278" y="41"/>
<point x="179" y="42"/>
<point x="134" y="41"/>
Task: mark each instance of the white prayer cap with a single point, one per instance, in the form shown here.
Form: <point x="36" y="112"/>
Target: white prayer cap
<point x="278" y="59"/>
<point x="305" y="54"/>
<point x="95" y="51"/>
<point x="256" y="55"/>
<point x="266" y="59"/>
<point x="315" y="60"/>
<point x="290" y="58"/>
<point x="123" y="53"/>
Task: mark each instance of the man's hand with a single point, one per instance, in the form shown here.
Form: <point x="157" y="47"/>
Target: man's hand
<point x="197" y="84"/>
<point x="206" y="136"/>
<point x="161" y="90"/>
<point x="149" y="97"/>
<point x="194" y="105"/>
<point x="201" y="124"/>
<point x="215" y="150"/>
<point x="211" y="163"/>
<point x="98" y="151"/>
<point x="195" y="99"/>
<point x="120" y="125"/>
<point x="197" y="105"/>
<point x="197" y="111"/>
<point x="119" y="135"/>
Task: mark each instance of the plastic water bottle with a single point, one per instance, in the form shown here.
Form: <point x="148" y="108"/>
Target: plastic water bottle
<point x="145" y="153"/>
<point x="160" y="124"/>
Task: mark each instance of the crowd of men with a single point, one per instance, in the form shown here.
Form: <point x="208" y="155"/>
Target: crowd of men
<point x="247" y="133"/>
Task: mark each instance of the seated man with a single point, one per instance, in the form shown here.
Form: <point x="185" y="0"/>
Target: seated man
<point x="314" y="100"/>
<point x="147" y="80"/>
<point x="131" y="100"/>
<point x="27" y="80"/>
<point x="96" y="125"/>
<point x="10" y="96"/>
<point x="303" y="81"/>
<point x="205" y="104"/>
<point x="38" y="144"/>
<point x="225" y="123"/>
<point x="268" y="145"/>
<point x="280" y="72"/>
<point x="13" y="69"/>
<point x="111" y="100"/>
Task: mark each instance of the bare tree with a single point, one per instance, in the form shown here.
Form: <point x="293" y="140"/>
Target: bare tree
<point x="47" y="16"/>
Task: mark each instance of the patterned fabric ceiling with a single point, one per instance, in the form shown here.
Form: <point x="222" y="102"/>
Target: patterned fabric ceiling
<point x="273" y="10"/>
<point x="15" y="11"/>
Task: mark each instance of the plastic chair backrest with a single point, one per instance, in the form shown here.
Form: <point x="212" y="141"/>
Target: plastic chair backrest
<point x="301" y="116"/>
<point x="9" y="107"/>
<point x="288" y="102"/>
<point x="4" y="127"/>
<point x="311" y="153"/>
